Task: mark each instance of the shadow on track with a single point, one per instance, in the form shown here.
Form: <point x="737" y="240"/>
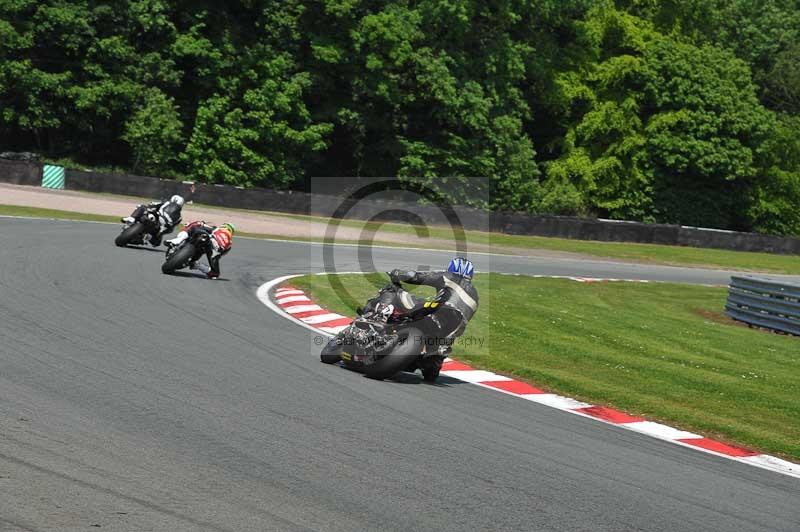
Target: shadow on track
<point x="145" y="248"/>
<point x="405" y="377"/>
<point x="196" y="276"/>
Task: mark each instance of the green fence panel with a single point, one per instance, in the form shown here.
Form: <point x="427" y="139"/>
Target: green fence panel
<point x="53" y="177"/>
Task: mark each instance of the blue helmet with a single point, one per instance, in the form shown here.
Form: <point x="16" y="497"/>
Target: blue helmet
<point x="461" y="267"/>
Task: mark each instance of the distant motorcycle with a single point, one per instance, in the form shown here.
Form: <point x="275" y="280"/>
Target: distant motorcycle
<point x="187" y="252"/>
<point x="381" y="342"/>
<point x="141" y="230"/>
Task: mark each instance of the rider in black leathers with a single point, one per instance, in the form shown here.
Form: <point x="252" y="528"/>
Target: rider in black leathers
<point x="168" y="212"/>
<point x="445" y="316"/>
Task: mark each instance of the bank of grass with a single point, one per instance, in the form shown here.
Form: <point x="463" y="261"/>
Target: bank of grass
<point x="625" y="251"/>
<point x="438" y="237"/>
<point x="663" y="351"/>
<point x="37" y="212"/>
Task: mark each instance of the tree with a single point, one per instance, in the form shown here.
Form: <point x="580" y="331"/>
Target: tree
<point x="605" y="168"/>
<point x="758" y="32"/>
<point x="776" y="196"/>
<point x="782" y="82"/>
<point x="440" y="87"/>
<point x="664" y="130"/>
<point x="259" y="133"/>
<point x="703" y="141"/>
<point x="635" y="109"/>
<point x="154" y="133"/>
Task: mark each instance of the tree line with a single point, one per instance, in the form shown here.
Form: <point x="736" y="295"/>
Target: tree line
<point x="678" y="111"/>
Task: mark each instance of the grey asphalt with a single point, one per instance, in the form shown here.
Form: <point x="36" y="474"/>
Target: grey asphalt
<point x="134" y="401"/>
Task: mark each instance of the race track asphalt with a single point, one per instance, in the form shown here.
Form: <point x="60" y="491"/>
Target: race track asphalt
<point x="135" y="401"/>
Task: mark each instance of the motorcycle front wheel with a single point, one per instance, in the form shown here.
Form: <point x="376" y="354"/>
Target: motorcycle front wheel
<point x="331" y="353"/>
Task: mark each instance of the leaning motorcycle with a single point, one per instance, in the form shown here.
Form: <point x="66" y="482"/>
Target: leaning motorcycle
<point x="381" y="343"/>
<point x="187" y="252"/>
<point x="141" y="230"/>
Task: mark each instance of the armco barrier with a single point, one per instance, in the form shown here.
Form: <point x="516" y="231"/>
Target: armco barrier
<point x="765" y="303"/>
<point x="26" y="173"/>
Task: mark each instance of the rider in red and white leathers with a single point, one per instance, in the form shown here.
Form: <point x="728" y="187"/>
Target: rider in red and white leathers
<point x="221" y="239"/>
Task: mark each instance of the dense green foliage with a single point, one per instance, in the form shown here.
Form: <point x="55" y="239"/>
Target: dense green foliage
<point x="682" y="111"/>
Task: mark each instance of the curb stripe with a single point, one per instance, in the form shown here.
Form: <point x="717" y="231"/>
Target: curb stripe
<point x="609" y="414"/>
<point x="771" y="462"/>
<point x="475" y="376"/>
<point x="290" y="292"/>
<point x="662" y="432"/>
<point x="719" y="447"/>
<point x="309" y="313"/>
<point x="292" y="301"/>
<point x="296" y="310"/>
<point x="286" y="295"/>
<point x="322" y="319"/>
<point x="515" y="387"/>
<point x="557" y="401"/>
<point x="333" y="330"/>
<point x="451" y="365"/>
<point x="336" y="322"/>
<point x="283" y="301"/>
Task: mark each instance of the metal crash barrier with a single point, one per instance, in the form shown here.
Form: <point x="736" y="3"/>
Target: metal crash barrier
<point x="765" y="303"/>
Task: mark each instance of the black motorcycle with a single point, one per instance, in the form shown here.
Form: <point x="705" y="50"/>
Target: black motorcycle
<point x="139" y="232"/>
<point x="187" y="252"/>
<point x="381" y="342"/>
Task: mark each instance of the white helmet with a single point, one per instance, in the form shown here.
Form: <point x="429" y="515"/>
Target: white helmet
<point x="177" y="199"/>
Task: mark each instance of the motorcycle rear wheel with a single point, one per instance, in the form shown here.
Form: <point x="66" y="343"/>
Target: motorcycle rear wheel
<point x="129" y="235"/>
<point x="179" y="259"/>
<point x="402" y="356"/>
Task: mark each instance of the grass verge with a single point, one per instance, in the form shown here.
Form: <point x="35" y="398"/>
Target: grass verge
<point x="37" y="212"/>
<point x="625" y="251"/>
<point x="663" y="351"/>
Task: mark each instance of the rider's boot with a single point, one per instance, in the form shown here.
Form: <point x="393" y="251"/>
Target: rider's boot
<point x="183" y="235"/>
<point x="431" y="366"/>
<point x="128" y="220"/>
